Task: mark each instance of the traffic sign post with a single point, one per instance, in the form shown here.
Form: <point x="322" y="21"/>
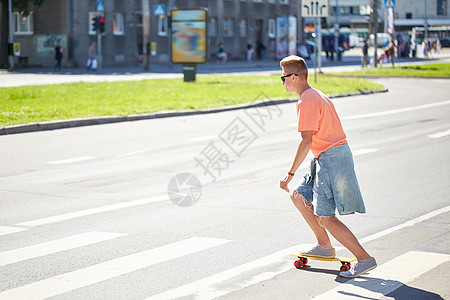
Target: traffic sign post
<point x="100" y="28"/>
<point x="159" y="10"/>
<point x="101" y="6"/>
<point x="316" y="9"/>
<point x="389" y="3"/>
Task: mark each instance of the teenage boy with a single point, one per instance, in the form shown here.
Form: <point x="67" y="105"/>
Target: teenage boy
<point x="331" y="182"/>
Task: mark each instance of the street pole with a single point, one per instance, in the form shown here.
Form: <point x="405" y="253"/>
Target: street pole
<point x="146" y="31"/>
<point x="426" y="23"/>
<point x="375" y="31"/>
<point x="99" y="49"/>
<point x="169" y="31"/>
<point x="315" y="50"/>
<point x="336" y="31"/>
<point x="11" y="36"/>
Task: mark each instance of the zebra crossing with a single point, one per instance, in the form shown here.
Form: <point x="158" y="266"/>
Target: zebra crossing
<point x="395" y="272"/>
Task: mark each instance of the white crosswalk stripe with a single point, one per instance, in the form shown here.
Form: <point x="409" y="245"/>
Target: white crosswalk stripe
<point x="4" y="230"/>
<point x="87" y="276"/>
<point x="388" y="277"/>
<point x="397" y="272"/>
<point x="80" y="240"/>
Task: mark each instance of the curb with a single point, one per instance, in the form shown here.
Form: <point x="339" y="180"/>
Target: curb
<point x="71" y="123"/>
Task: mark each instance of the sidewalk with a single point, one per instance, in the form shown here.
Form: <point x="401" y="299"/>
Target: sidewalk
<point x="351" y="58"/>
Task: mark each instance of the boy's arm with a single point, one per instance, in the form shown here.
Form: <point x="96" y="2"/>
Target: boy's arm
<point x="300" y="154"/>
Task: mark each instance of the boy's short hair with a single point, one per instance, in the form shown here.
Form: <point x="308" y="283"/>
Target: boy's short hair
<point x="295" y="64"/>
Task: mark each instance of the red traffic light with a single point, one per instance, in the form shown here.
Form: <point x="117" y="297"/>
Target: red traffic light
<point x="102" y="19"/>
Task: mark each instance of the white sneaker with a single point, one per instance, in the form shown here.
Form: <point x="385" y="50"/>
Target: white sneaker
<point x="359" y="268"/>
<point x="320" y="251"/>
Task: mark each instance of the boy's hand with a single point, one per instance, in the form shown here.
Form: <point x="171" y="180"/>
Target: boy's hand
<point x="285" y="182"/>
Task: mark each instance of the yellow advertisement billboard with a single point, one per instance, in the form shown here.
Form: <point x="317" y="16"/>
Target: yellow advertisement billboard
<point x="188" y="30"/>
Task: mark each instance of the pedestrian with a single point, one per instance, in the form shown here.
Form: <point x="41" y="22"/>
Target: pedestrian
<point x="331" y="181"/>
<point x="390" y="51"/>
<point x="58" y="56"/>
<point x="91" y="64"/>
<point x="365" y="54"/>
<point x="249" y="51"/>
<point x="221" y="54"/>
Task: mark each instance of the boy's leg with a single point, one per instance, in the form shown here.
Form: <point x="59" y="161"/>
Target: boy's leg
<point x="344" y="236"/>
<point x="306" y="210"/>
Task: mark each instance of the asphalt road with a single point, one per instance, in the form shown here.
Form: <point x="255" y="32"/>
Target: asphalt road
<point x="97" y="212"/>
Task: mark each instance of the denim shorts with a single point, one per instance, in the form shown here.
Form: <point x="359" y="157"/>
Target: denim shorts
<point x="331" y="183"/>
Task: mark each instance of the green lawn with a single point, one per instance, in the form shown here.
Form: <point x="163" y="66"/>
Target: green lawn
<point x="428" y="70"/>
<point x="21" y="105"/>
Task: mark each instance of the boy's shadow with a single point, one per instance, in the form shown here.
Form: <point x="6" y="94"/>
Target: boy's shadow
<point x="398" y="290"/>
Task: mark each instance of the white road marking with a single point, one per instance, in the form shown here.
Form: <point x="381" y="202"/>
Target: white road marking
<point x="4" y="230"/>
<point x="387" y="277"/>
<point x="233" y="279"/>
<point x="113" y="268"/>
<point x="131" y="153"/>
<point x="203" y="138"/>
<point x="63" y="244"/>
<point x="251" y="273"/>
<point x="71" y="160"/>
<point x="396" y="111"/>
<point x="438" y="135"/>
<point x="92" y="211"/>
<point x="406" y="224"/>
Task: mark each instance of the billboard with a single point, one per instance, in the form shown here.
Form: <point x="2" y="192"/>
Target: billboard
<point x="188" y="32"/>
<point x="286" y="36"/>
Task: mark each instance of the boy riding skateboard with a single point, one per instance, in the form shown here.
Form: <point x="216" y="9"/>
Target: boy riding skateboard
<point x="331" y="181"/>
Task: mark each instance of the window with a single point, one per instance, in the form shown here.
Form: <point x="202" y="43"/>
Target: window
<point x="118" y="24"/>
<point x="271" y="29"/>
<point x="228" y="27"/>
<point x="243" y="28"/>
<point x="408" y="15"/>
<point x="284" y="1"/>
<point x="272" y="1"/>
<point x="91" y="27"/>
<point x="257" y="0"/>
<point x="162" y="25"/>
<point x="212" y="27"/>
<point x="364" y="10"/>
<point x="354" y="10"/>
<point x="23" y="24"/>
<point x="442" y="7"/>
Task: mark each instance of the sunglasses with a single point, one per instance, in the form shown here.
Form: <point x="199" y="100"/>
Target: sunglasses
<point x="283" y="78"/>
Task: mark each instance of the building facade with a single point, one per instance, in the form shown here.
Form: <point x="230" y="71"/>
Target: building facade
<point x="235" y="23"/>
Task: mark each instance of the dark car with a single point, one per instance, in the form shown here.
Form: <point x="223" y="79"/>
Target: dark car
<point x="445" y="42"/>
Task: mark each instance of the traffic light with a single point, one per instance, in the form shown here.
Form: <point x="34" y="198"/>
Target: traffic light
<point x="101" y="20"/>
<point x="95" y="24"/>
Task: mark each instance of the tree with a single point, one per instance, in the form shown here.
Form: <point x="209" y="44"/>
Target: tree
<point x="18" y="5"/>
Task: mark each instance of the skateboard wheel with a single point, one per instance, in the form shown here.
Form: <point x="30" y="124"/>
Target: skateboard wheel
<point x="345" y="268"/>
<point x="298" y="264"/>
<point x="304" y="260"/>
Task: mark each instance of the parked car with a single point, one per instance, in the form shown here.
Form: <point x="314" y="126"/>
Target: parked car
<point x="445" y="42"/>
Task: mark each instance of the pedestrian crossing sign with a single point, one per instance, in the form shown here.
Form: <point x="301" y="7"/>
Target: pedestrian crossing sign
<point x="389" y="3"/>
<point x="159" y="9"/>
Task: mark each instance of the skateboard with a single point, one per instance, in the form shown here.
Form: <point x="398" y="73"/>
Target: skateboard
<point x="303" y="260"/>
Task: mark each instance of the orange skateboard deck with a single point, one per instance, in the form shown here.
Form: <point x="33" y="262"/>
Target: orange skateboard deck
<point x="303" y="260"/>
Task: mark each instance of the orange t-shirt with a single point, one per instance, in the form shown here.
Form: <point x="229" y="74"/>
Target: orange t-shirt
<point x="315" y="112"/>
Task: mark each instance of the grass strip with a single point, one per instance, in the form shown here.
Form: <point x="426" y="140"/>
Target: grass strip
<point x="428" y="70"/>
<point x="29" y="104"/>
